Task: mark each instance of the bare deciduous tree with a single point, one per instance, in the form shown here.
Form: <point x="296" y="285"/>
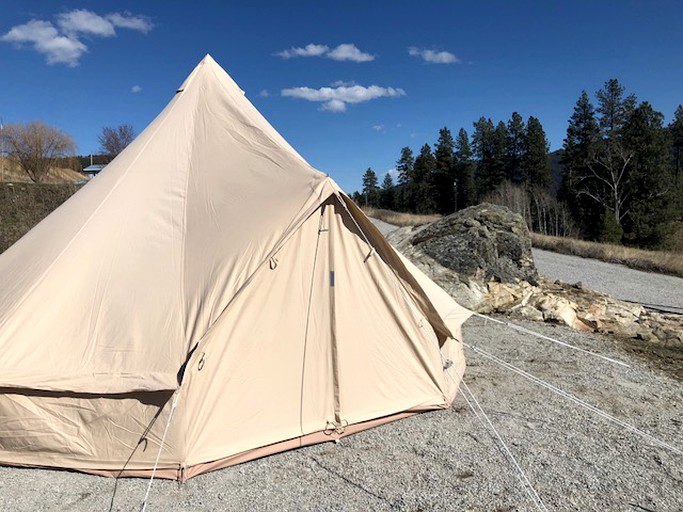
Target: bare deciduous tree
<point x="36" y="147"/>
<point x="541" y="211"/>
<point x="114" y="140"/>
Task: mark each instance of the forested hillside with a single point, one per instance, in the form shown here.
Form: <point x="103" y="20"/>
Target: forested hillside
<point x="618" y="177"/>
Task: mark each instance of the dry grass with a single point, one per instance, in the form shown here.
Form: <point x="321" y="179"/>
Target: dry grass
<point x="653" y="261"/>
<point x="13" y="174"/>
<point x="400" y="219"/>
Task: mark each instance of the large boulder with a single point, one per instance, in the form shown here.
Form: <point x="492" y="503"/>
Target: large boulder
<point x="485" y="242"/>
<point x="467" y="252"/>
<point x="482" y="257"/>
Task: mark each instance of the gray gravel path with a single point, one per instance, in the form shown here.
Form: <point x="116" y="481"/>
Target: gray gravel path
<point x="444" y="460"/>
<point x="658" y="290"/>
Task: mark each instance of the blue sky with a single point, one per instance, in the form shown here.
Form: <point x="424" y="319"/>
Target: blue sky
<point x="391" y="73"/>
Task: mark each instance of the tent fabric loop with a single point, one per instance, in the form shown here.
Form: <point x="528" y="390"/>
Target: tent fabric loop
<point x="332" y="427"/>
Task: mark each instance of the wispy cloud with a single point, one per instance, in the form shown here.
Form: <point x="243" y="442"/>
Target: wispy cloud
<point x="346" y="51"/>
<point x="432" y="56"/>
<point x="310" y="50"/>
<point x="349" y="52"/>
<point x="63" y="45"/>
<point x="85" y="22"/>
<point x="335" y="99"/>
<point x="129" y="21"/>
<point x="264" y="93"/>
<point x="136" y="89"/>
<point x="378" y="127"/>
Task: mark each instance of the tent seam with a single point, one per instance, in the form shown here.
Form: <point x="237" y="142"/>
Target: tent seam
<point x="86" y="223"/>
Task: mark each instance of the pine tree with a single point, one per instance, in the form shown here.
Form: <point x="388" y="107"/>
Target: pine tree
<point x="535" y="158"/>
<point x="649" y="207"/>
<point x="423" y="171"/>
<point x="406" y="191"/>
<point x="445" y="172"/>
<point x="388" y="182"/>
<point x="515" y="146"/>
<point x="613" y="108"/>
<point x="489" y="149"/>
<point x="676" y="134"/>
<point x="604" y="174"/>
<point x="464" y="171"/>
<point x="609" y="167"/>
<point x="580" y="146"/>
<point x="370" y="188"/>
<point x="387" y="193"/>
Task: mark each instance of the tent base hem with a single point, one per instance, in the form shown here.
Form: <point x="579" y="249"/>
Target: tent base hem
<point x="177" y="472"/>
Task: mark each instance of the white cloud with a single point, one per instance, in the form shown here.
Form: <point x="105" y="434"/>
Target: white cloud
<point x="136" y="89"/>
<point x="63" y="46"/>
<point x="334" y="105"/>
<point x="349" y="51"/>
<point x="264" y="93"/>
<point x="342" y="83"/>
<point x="346" y="51"/>
<point x="433" y="56"/>
<point x="393" y="173"/>
<point x="46" y="40"/>
<point x="85" y="22"/>
<point x="310" y="50"/>
<point x="378" y="127"/>
<point x="127" y="20"/>
<point x="335" y="99"/>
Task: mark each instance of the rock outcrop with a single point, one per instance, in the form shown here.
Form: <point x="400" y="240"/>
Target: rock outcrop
<point x="482" y="257"/>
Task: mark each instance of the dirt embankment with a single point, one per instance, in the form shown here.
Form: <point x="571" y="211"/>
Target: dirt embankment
<point x="23" y="205"/>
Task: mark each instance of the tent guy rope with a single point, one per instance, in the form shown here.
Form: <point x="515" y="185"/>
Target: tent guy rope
<point x="161" y="447"/>
<point x="483" y="418"/>
<point x="524" y="330"/>
<point x="576" y="400"/>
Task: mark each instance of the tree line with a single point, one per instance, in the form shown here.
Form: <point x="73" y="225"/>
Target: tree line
<point x="621" y="177"/>
<point x="36" y="147"/>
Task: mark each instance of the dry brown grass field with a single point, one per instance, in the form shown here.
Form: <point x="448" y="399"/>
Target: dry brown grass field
<point x="11" y="173"/>
<point x="665" y="262"/>
<point x="400" y="219"/>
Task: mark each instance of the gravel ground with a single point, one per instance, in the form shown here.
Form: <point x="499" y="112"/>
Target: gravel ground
<point x="656" y="290"/>
<point x="444" y="460"/>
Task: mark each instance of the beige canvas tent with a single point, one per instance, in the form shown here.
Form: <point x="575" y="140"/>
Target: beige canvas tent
<point x="210" y="271"/>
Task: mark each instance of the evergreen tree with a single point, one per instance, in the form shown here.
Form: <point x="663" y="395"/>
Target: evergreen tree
<point x="488" y="143"/>
<point x="464" y="171"/>
<point x="423" y="171"/>
<point x="370" y="188"/>
<point x="609" y="167"/>
<point x="613" y="108"/>
<point x="604" y="173"/>
<point x="649" y="206"/>
<point x="515" y="147"/>
<point x="676" y="134"/>
<point x="445" y="172"/>
<point x="580" y="146"/>
<point x="388" y="193"/>
<point x="406" y="191"/>
<point x="536" y="161"/>
<point x="388" y="182"/>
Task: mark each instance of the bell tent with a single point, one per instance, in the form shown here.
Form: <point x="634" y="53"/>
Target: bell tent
<point x="211" y="298"/>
